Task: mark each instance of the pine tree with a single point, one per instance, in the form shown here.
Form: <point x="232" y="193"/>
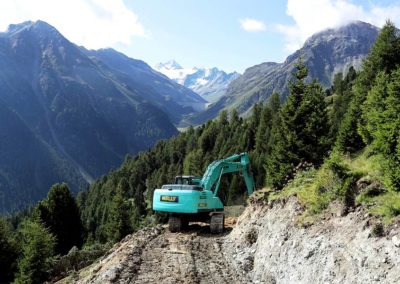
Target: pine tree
<point x="191" y="165"/>
<point x="384" y="56"/>
<point x="8" y="252"/>
<point x="60" y="213"/>
<point x="302" y="131"/>
<point x="37" y="249"/>
<point x="119" y="225"/>
<point x="342" y="91"/>
<point x="279" y="163"/>
<point x="263" y="143"/>
<point x="381" y="112"/>
<point x="139" y="199"/>
<point x="274" y="103"/>
<point x="234" y="118"/>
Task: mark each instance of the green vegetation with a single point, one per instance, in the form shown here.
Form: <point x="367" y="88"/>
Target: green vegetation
<point x="341" y="146"/>
<point x="118" y="203"/>
<point x="60" y="214"/>
<point x="37" y="250"/>
<point x="301" y="131"/>
<point x="8" y="252"/>
<point x="44" y="241"/>
<point x="364" y="167"/>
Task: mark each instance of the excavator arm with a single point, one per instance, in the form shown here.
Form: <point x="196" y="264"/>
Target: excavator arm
<point x="195" y="199"/>
<point x="236" y="163"/>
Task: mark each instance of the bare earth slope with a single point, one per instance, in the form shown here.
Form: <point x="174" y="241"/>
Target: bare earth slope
<point x="155" y="255"/>
<point x="334" y="250"/>
<point x="266" y="246"/>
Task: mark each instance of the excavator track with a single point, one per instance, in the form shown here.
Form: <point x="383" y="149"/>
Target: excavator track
<point x="217" y="223"/>
<point x="175" y="224"/>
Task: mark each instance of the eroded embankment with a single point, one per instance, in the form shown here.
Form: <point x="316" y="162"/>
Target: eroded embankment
<point x="273" y="248"/>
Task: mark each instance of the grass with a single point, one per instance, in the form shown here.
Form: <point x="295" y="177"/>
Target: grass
<point x="298" y="185"/>
<point x="365" y="163"/>
<point x="337" y="180"/>
<point x="385" y="206"/>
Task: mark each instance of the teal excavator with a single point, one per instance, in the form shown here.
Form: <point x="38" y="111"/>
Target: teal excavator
<point x="192" y="199"/>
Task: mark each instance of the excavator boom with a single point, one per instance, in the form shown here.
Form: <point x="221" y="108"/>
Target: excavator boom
<point x="235" y="163"/>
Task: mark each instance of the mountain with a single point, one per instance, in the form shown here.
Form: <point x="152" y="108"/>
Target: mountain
<point x="175" y="99"/>
<point x="70" y="114"/>
<point x="210" y="83"/>
<point x="325" y="53"/>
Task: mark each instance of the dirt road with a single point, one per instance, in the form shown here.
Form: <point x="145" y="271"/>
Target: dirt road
<point x="156" y="255"/>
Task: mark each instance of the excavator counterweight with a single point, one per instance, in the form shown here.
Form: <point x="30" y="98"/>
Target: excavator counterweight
<point x="192" y="198"/>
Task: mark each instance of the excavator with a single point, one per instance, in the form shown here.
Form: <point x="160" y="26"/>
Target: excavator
<point x="195" y="199"/>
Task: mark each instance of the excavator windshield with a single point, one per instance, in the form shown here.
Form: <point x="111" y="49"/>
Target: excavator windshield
<point x="182" y="187"/>
<point x="187" y="180"/>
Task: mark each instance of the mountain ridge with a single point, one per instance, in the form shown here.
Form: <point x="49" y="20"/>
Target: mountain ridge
<point x="325" y="53"/>
<point x="82" y="110"/>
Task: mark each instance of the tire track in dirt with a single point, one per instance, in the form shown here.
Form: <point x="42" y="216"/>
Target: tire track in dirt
<point x="193" y="256"/>
<point x="155" y="255"/>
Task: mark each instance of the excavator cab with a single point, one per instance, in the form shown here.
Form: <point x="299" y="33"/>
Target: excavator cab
<point x="187" y="180"/>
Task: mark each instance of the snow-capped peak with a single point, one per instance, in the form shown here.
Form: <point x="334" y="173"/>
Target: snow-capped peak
<point x="169" y="65"/>
<point x="174" y="71"/>
<point x="210" y="83"/>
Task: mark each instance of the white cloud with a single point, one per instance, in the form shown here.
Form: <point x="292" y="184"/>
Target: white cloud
<point x="252" y="25"/>
<point x="311" y="16"/>
<point x="92" y="23"/>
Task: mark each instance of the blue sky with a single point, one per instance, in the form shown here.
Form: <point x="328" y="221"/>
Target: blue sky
<point x="229" y="34"/>
<point x="208" y="33"/>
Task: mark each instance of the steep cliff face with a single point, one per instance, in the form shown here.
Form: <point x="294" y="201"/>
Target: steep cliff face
<point x="269" y="246"/>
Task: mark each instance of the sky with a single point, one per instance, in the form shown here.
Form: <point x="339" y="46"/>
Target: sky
<point x="229" y="34"/>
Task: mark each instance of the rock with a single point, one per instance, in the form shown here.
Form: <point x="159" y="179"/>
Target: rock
<point x="396" y="241"/>
<point x="309" y="254"/>
<point x="385" y="260"/>
<point x="248" y="264"/>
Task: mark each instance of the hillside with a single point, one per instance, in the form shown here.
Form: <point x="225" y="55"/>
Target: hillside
<point x="325" y="53"/>
<point x="310" y="231"/>
<point x="173" y="98"/>
<point x="79" y="111"/>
